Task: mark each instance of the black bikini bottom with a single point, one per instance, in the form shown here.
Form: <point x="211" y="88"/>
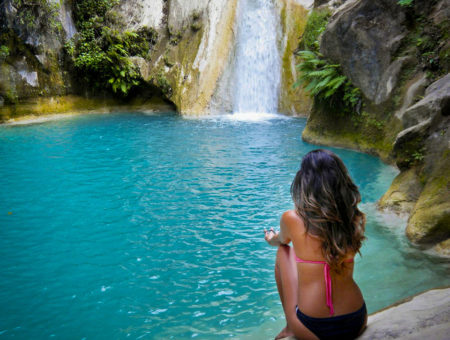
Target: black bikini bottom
<point x="345" y="326"/>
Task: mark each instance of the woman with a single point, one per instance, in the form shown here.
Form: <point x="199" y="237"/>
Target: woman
<point x="315" y="276"/>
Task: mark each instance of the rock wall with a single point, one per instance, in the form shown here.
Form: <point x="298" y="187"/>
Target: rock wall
<point x="31" y="38"/>
<point x="196" y="40"/>
<point x="187" y="66"/>
<point x="192" y="49"/>
<point x="398" y="57"/>
<point x="293" y="15"/>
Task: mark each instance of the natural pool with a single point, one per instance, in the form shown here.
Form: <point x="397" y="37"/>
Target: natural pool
<point x="150" y="226"/>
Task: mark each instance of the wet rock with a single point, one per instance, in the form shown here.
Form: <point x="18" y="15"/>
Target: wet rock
<point x="416" y="88"/>
<point x="424" y="146"/>
<point x="435" y="103"/>
<point x="403" y="193"/>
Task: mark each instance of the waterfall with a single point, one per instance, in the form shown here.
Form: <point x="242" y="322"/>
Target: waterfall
<point x="257" y="65"/>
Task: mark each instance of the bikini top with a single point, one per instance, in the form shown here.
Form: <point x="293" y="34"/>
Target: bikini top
<point x="326" y="272"/>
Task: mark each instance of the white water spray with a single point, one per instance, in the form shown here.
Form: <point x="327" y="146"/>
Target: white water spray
<point x="257" y="69"/>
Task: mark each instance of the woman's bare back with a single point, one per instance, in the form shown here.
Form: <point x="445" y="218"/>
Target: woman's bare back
<point x="346" y="295"/>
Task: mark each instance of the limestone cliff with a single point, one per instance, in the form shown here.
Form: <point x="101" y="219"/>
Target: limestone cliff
<point x="293" y="14"/>
<point x="398" y="56"/>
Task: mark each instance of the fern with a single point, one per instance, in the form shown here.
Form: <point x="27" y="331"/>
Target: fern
<point x="325" y="81"/>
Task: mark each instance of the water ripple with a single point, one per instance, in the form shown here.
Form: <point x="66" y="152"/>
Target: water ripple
<point x="151" y="227"/>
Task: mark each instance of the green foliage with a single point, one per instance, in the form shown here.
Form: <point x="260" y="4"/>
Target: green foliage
<point x="418" y="156"/>
<point x="405" y="3"/>
<point x="175" y="37"/>
<point x="4" y="53"/>
<point x="38" y="14"/>
<point x="167" y="62"/>
<point x="161" y="81"/>
<point x="196" y="26"/>
<point x="326" y="82"/>
<point x="101" y="54"/>
<point x="322" y="79"/>
<point x="85" y="10"/>
<point x="316" y="24"/>
<point x="196" y="15"/>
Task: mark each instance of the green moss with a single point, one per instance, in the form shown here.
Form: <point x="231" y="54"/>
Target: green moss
<point x="430" y="220"/>
<point x="162" y="83"/>
<point x="362" y="134"/>
<point x="4" y="53"/>
<point x="196" y="26"/>
<point x="51" y="106"/>
<point x="167" y="61"/>
<point x="316" y="24"/>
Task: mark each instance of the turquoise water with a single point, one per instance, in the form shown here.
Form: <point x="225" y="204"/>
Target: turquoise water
<point x="134" y="226"/>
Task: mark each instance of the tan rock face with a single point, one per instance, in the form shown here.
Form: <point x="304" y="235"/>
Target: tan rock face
<point x="425" y="316"/>
<point x="195" y="40"/>
<point x="293" y="17"/>
<point x="403" y="193"/>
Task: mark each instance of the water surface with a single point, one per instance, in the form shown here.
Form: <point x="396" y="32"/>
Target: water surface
<point x="133" y="226"/>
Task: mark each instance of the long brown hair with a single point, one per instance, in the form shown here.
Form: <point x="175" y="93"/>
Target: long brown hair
<point x="326" y="198"/>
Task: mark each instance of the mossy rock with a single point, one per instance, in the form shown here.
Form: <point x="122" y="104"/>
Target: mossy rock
<point x="403" y="193"/>
<point x="443" y="248"/>
<point x="293" y="17"/>
<point x="430" y="220"/>
<point x="350" y="131"/>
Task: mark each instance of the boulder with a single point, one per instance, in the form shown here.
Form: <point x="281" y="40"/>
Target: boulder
<point x="423" y="147"/>
<point x="403" y="193"/>
<point x="424" y="316"/>
<point x="435" y="103"/>
<point x="363" y="37"/>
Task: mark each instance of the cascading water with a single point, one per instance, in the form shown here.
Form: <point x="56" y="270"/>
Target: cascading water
<point x="257" y="66"/>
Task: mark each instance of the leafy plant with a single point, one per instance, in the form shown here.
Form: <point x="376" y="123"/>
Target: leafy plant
<point x="101" y="54"/>
<point x="161" y="81"/>
<point x="405" y="3"/>
<point x="4" y="52"/>
<point x="38" y="14"/>
<point x="315" y="25"/>
<point x="325" y="81"/>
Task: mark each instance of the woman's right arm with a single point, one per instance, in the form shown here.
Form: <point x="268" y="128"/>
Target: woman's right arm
<point x="282" y="237"/>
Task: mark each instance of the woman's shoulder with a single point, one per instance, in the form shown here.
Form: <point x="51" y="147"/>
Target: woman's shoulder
<point x="291" y="219"/>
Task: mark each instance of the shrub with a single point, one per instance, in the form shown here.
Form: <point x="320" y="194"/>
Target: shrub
<point x="405" y="3"/>
<point x="100" y="53"/>
<point x="322" y="79"/>
<point x="316" y="24"/>
<point x="38" y="14"/>
<point x="326" y="82"/>
<point x="4" y="53"/>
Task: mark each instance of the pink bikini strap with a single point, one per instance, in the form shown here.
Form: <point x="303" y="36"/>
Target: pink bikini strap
<point x="327" y="275"/>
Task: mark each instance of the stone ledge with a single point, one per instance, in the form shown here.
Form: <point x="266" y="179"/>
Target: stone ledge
<point x="423" y="316"/>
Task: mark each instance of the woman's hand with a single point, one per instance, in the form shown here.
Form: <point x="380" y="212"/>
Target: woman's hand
<point x="271" y="237"/>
